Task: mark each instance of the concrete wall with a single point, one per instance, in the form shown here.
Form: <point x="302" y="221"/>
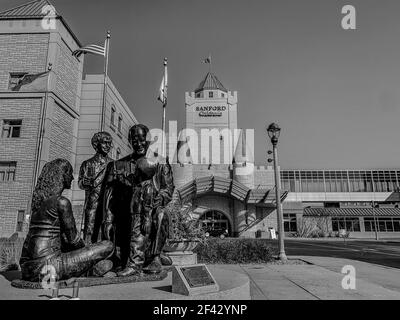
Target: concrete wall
<point x="268" y="219"/>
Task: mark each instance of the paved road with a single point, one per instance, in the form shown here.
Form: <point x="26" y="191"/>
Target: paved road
<point x="377" y="252"/>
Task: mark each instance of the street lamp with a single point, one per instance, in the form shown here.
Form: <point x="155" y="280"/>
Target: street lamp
<point x="373" y="207"/>
<point x="273" y="132"/>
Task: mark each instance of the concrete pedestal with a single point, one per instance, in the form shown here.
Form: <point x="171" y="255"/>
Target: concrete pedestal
<point x="180" y="258"/>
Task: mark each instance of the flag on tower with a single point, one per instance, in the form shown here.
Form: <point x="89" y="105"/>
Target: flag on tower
<point x="162" y="95"/>
<point x="92" y="48"/>
<point x="208" y="59"/>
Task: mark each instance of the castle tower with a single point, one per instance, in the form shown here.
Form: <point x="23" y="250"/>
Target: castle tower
<point x="243" y="161"/>
<point x="212" y="108"/>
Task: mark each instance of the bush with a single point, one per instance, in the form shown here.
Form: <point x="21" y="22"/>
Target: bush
<point x="183" y="226"/>
<point x="318" y="233"/>
<point x="10" y="252"/>
<point x="237" y="250"/>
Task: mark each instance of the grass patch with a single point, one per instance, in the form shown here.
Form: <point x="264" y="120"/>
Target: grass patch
<point x="234" y="250"/>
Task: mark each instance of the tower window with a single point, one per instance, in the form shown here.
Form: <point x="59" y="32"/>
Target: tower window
<point x="7" y="171"/>
<point x="11" y="129"/>
<point x="211" y="94"/>
<point x="120" y="124"/>
<point x="198" y="95"/>
<point x="118" y="155"/>
<point x="112" y="119"/>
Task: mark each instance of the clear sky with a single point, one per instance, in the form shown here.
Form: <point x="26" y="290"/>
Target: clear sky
<point x="334" y="92"/>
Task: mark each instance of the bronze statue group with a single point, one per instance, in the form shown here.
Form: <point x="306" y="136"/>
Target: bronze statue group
<point x="125" y="221"/>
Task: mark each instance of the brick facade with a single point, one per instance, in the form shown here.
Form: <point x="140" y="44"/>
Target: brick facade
<point x="15" y="195"/>
<point x="68" y="75"/>
<point x="61" y="135"/>
<point x="49" y="112"/>
<point x="22" y="53"/>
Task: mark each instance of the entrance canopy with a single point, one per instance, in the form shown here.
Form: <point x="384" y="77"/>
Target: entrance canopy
<point x="230" y="188"/>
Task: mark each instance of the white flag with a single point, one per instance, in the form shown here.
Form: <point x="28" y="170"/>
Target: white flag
<point x="162" y="95"/>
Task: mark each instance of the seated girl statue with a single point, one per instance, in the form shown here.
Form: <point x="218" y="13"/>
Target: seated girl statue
<point x="53" y="239"/>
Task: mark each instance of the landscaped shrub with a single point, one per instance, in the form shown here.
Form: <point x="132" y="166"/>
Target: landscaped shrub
<point x="10" y="252"/>
<point x="236" y="250"/>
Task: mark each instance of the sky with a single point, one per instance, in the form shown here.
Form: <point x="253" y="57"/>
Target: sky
<point x="334" y="92"/>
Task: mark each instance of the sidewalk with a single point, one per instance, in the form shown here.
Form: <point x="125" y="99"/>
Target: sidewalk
<point x="386" y="277"/>
<point x="386" y="240"/>
<point x="320" y="279"/>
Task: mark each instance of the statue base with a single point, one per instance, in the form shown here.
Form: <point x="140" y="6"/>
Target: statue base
<point x="180" y="258"/>
<point x="93" y="281"/>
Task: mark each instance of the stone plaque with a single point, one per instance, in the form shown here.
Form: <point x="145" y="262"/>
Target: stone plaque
<point x="192" y="280"/>
<point x="197" y="276"/>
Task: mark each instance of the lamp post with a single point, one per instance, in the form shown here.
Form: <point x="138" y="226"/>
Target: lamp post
<point x="273" y="133"/>
<point x="373" y="207"/>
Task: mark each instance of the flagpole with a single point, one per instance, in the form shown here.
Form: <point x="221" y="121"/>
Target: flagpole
<point x="164" y="106"/>
<point x="103" y="108"/>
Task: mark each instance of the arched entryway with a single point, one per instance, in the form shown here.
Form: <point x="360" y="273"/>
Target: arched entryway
<point x="215" y="222"/>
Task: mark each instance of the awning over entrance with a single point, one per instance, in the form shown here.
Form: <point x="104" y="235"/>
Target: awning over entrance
<point x="351" y="212"/>
<point x="230" y="188"/>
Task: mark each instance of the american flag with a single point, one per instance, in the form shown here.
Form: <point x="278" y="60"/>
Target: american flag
<point x="93" y="48"/>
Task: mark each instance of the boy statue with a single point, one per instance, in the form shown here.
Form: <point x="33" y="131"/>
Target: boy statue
<point x="91" y="176"/>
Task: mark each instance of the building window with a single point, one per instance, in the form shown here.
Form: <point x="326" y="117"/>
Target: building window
<point x="11" y="128"/>
<point x="15" y="78"/>
<point x="118" y="155"/>
<point x="7" y="171"/>
<point x="332" y="205"/>
<point x="20" y="220"/>
<point x="215" y="222"/>
<point x="120" y="124"/>
<point x="349" y="224"/>
<point x="211" y="94"/>
<point x="383" y="224"/>
<point x="198" y="95"/>
<point x="290" y="222"/>
<point x="112" y="118"/>
<point x="222" y="95"/>
<point x="355" y="204"/>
